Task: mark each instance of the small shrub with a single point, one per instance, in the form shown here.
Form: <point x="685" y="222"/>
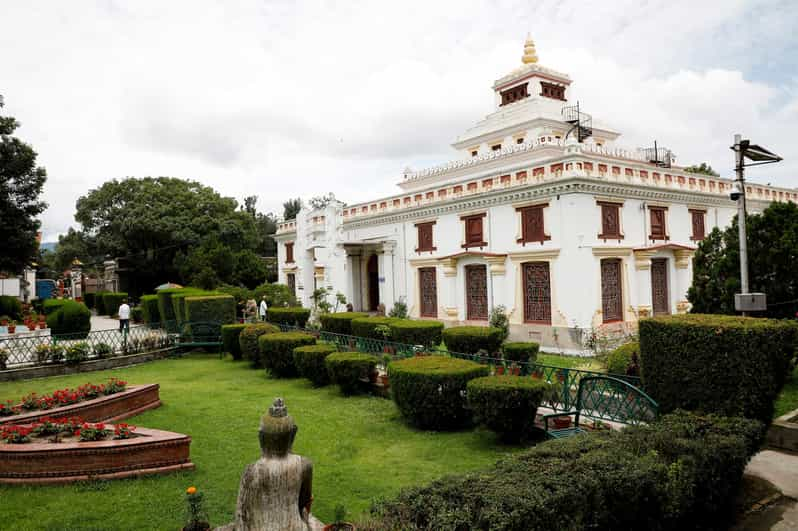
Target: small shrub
<point x="111" y="302"/>
<point x="77" y="353"/>
<point x="53" y="305"/>
<point x="248" y="340"/>
<point x="277" y="351"/>
<point x="277" y="295"/>
<point x="416" y="332"/>
<point x="619" y="360"/>
<point x="367" y="326"/>
<point x="294" y="316"/>
<point x="521" y="352"/>
<point x="498" y="319"/>
<point x="72" y="321"/>
<point x="399" y="310"/>
<point x="103" y="350"/>
<point x="149" y="309"/>
<point x="11" y="306"/>
<point x="349" y="369"/>
<point x="340" y="323"/>
<point x="230" y="339"/>
<point x="430" y="390"/>
<point x="472" y="339"/>
<point x="309" y="361"/>
<point x="507" y="404"/>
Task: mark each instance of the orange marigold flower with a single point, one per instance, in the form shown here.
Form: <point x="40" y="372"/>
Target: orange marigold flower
<point x="191" y="490"/>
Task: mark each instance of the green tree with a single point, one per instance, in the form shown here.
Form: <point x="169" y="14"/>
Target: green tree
<point x="266" y="226"/>
<point x="772" y="251"/>
<point x="249" y="269"/>
<point x="291" y="208"/>
<point x="702" y="168"/>
<point x="21" y="183"/>
<point x="76" y="244"/>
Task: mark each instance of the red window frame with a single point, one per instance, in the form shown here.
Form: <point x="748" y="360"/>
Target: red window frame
<point x="658" y="223"/>
<point x="474" y="228"/>
<point x="533" y="227"/>
<point x="698" y="223"/>
<point x="289" y="252"/>
<point x="608" y="208"/>
<point x="425" y="237"/>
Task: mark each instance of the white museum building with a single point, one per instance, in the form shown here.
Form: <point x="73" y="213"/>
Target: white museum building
<point x="541" y="212"/>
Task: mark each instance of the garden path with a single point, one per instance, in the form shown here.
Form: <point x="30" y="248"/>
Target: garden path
<point x="781" y="469"/>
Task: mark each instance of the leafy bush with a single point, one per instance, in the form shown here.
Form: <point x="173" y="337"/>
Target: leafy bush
<point x="230" y="336"/>
<point x="111" y="302"/>
<point x="88" y="300"/>
<point x="149" y="307"/>
<point x="523" y="352"/>
<point x="72" y="320"/>
<point x="211" y="308"/>
<point x="309" y="361"/>
<point x="98" y="303"/>
<point x="341" y="322"/>
<point x="430" y="390"/>
<point x="349" y="369"/>
<point x="77" y="353"/>
<point x="277" y="351"/>
<point x="399" y="310"/>
<point x="165" y="308"/>
<point x="507" y="404"/>
<point x="53" y="305"/>
<point x="103" y="350"/>
<point x="681" y="472"/>
<point x="367" y="326"/>
<point x="277" y="295"/>
<point x="716" y="363"/>
<point x="416" y="332"/>
<point x="472" y="339"/>
<point x="248" y="340"/>
<point x="295" y="316"/>
<point x="11" y="306"/>
<point x="499" y="319"/>
<point x="619" y="360"/>
<point x="137" y="314"/>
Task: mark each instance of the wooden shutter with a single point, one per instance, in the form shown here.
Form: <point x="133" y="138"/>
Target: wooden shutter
<point x="611" y="292"/>
<point x="476" y="292"/>
<point x="610" y="221"/>
<point x="532" y="224"/>
<point x="474" y="236"/>
<point x="658" y="231"/>
<point x="428" y="290"/>
<point x="537" y="292"/>
<point x="291" y="281"/>
<point x="289" y="252"/>
<point x="659" y="287"/>
<point x="425" y="242"/>
<point x="699" y="230"/>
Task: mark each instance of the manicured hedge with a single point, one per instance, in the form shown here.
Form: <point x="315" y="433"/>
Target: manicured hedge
<point x="682" y="472"/>
<point x="416" y="332"/>
<point x="524" y="352"/>
<point x="472" y="339"/>
<point x="112" y="300"/>
<point x="137" y="314"/>
<point x="341" y="322"/>
<point x="430" y="390"/>
<point x="99" y="307"/>
<point x="349" y="369"/>
<point x="248" y="340"/>
<point x="165" y="308"/>
<point x="179" y="302"/>
<point x="12" y="307"/>
<point x="366" y="326"/>
<point x="149" y="307"/>
<point x="716" y="363"/>
<point x="72" y="320"/>
<point x="277" y="351"/>
<point x="53" y="305"/>
<point x="213" y="308"/>
<point x="619" y="359"/>
<point x="507" y="404"/>
<point x="230" y="336"/>
<point x="309" y="362"/>
<point x="295" y="316"/>
<point x="88" y="300"/>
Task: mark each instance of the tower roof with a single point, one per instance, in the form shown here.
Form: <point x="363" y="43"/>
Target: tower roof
<point x="530" y="54"/>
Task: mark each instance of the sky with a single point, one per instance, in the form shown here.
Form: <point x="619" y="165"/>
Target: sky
<point x="285" y="99"/>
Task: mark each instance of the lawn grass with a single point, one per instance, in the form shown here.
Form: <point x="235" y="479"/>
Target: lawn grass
<point x="360" y="447"/>
<point x="788" y="398"/>
<point x="571" y="362"/>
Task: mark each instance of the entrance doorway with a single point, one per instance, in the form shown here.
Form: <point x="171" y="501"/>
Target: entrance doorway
<point x="476" y="292"/>
<point x="373" y="278"/>
<point x="660" y="299"/>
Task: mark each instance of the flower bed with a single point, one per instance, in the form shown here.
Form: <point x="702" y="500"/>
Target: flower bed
<point x="119" y="404"/>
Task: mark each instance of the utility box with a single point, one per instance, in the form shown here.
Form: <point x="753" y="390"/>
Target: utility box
<point x="750" y="302"/>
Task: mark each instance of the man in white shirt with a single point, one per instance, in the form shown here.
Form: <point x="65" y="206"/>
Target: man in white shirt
<point x="263" y="308"/>
<point x="124" y="316"/>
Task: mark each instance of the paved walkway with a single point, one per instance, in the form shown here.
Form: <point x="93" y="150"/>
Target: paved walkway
<point x="781" y="469"/>
<point x="103" y="322"/>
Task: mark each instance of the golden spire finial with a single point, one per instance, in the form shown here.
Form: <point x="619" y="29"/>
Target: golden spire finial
<point x="530" y="55"/>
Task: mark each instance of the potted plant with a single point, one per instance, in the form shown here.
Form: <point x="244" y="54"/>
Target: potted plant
<point x="12" y="327"/>
<point x="384" y="376"/>
<point x="339" y="524"/>
<point x="4" y="320"/>
<point x="197" y="521"/>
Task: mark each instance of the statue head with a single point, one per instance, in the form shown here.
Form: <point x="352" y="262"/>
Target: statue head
<point x="277" y="430"/>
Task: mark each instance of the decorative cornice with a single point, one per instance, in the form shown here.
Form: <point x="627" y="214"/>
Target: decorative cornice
<point x="424" y="262"/>
<point x="643" y="259"/>
<point x="528" y="256"/>
<point x="682" y="257"/>
<point x="612" y="251"/>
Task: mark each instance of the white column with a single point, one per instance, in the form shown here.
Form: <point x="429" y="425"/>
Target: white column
<point x="643" y="304"/>
<point x="450" y="279"/>
<point x="386" y="270"/>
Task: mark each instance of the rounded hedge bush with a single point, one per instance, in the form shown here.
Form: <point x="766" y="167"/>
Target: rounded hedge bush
<point x="366" y="326"/>
<point x="277" y="351"/>
<point x="349" y="369"/>
<point x="71" y="321"/>
<point x="341" y="322"/>
<point x="309" y="362"/>
<point x="472" y="339"/>
<point x="521" y="351"/>
<point x="230" y="335"/>
<point x="295" y="316"/>
<point x="430" y="390"/>
<point x="416" y="332"/>
<point x="507" y="404"/>
<point x="52" y="305"/>
<point x="618" y="360"/>
<point x="248" y="340"/>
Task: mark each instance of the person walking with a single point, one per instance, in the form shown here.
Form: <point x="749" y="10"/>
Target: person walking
<point x="263" y="308"/>
<point x="124" y="316"/>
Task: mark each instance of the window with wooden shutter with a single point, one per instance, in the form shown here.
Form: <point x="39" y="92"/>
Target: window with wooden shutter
<point x="474" y="235"/>
<point x="532" y="224"/>
<point x="610" y="221"/>
<point x="611" y="291"/>
<point x="537" y="292"/>
<point x="289" y="252"/>
<point x="428" y="292"/>
<point x="699" y="231"/>
<point x="425" y="242"/>
<point x="290" y="279"/>
<point x="658" y="229"/>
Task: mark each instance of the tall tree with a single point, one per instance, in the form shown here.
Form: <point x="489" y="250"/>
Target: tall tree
<point x="772" y="254"/>
<point x="291" y="208"/>
<point x="703" y="168"/>
<point x="266" y="226"/>
<point x="21" y="183"/>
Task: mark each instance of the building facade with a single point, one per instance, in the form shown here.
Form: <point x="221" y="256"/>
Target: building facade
<point x="542" y="213"/>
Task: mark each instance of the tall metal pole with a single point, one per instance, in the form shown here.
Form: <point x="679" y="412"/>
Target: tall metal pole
<point x="738" y="153"/>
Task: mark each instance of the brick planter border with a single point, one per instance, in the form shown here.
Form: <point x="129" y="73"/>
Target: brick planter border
<point x="151" y="452"/>
<point x="132" y="401"/>
<point x="783" y="432"/>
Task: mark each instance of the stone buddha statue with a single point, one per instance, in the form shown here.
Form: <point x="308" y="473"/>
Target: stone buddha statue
<point x="275" y="491"/>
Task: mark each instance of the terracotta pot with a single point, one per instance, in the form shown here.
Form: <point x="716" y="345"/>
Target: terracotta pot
<point x="499" y="370"/>
<point x="516" y="371"/>
<point x="561" y="422"/>
<point x="4" y="322"/>
<point x="42" y="319"/>
<point x="385" y="380"/>
<point x="12" y="329"/>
